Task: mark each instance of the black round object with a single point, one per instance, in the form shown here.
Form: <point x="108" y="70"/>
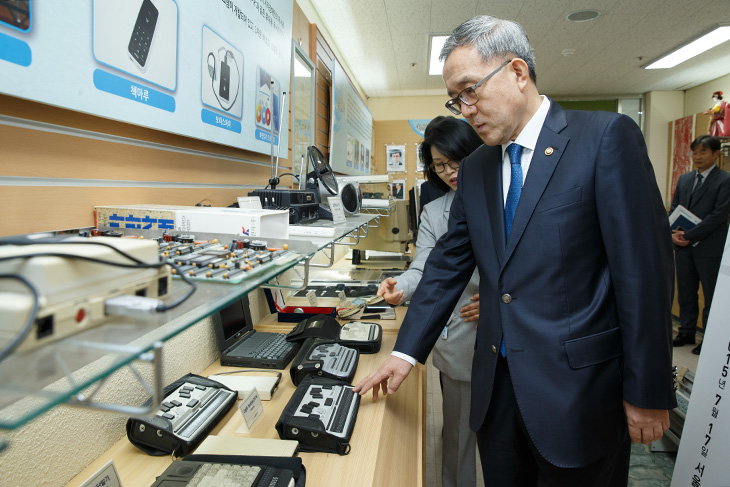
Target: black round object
<point x="350" y="196"/>
<point x="322" y="170"/>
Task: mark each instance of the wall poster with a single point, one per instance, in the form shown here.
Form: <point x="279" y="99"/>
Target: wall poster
<point x="395" y="158"/>
<point x="352" y="127"/>
<point x="211" y="70"/>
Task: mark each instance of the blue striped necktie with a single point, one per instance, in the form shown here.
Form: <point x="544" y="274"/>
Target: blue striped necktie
<point x="513" y="197"/>
<point x="515" y="186"/>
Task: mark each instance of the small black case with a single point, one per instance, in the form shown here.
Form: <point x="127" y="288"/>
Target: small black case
<point x="154" y="435"/>
<point x="310" y="432"/>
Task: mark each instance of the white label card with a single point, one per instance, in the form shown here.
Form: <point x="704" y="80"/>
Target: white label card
<point x="343" y="298"/>
<point x="312" y="298"/>
<point x="107" y="476"/>
<point x="338" y="211"/>
<point x="252" y="409"/>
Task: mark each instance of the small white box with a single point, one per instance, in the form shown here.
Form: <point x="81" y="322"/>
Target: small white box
<point x="237" y="221"/>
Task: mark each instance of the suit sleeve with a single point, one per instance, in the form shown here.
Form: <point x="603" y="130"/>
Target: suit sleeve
<point x="446" y="273"/>
<point x="717" y="217"/>
<point x="634" y="229"/>
<point x="675" y="198"/>
<point x="408" y="281"/>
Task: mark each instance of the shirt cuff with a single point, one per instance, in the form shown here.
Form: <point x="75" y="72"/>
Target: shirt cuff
<point x="405" y="357"/>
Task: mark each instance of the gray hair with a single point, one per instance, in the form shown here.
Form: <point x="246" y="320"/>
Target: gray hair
<point x="492" y="38"/>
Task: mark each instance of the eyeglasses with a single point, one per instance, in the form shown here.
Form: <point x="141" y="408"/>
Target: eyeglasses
<point x="468" y="96"/>
<point x="441" y="166"/>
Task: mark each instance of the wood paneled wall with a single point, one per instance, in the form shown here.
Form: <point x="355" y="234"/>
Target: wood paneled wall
<point x="396" y="132"/>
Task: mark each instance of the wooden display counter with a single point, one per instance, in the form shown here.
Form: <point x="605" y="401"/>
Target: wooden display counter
<point x="388" y="442"/>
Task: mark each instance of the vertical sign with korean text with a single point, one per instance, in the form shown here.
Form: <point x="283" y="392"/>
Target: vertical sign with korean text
<point x="702" y="459"/>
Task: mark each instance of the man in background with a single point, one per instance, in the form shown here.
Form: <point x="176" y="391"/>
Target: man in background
<point x="698" y="251"/>
<point x="561" y="214"/>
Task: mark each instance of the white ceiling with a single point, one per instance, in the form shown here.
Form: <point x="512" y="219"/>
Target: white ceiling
<point x="385" y="42"/>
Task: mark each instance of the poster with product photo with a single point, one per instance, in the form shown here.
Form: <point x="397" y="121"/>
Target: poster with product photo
<point x="189" y="68"/>
<point x="222" y="73"/>
<point x="395" y="157"/>
<point x="352" y="127"/>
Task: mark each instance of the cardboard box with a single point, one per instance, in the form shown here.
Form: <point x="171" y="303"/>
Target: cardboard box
<point x="237" y="221"/>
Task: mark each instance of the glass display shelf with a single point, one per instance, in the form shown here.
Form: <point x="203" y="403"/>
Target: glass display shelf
<point x="70" y="371"/>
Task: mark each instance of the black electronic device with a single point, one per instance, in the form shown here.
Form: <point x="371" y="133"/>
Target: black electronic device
<point x="320" y="415"/>
<point x="144" y="30"/>
<point x="218" y="470"/>
<point x="351" y="197"/>
<point x="317" y="326"/>
<point x="242" y="346"/>
<point x="365" y="337"/>
<point x="192" y="406"/>
<point x="321" y="180"/>
<point x="16" y="13"/>
<point x="225" y="81"/>
<point x="322" y="357"/>
<point x="303" y="205"/>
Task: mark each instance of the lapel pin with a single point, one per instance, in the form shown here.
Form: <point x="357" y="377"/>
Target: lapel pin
<point x="549" y="151"/>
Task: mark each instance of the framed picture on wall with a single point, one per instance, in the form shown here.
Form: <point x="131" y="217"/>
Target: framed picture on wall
<point x="398" y="189"/>
<point x="395" y="156"/>
<point x="420" y="166"/>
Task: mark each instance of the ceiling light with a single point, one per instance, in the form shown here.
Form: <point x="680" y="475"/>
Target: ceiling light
<point x="583" y="15"/>
<point x="693" y="48"/>
<point x="436" y="67"/>
<point x="568" y="52"/>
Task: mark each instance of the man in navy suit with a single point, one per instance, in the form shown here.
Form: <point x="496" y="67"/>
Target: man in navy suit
<point x="569" y="233"/>
<point x="698" y="251"/>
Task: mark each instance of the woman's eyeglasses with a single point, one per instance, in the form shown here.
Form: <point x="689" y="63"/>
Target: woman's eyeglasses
<point x="441" y="166"/>
<point x="468" y="95"/>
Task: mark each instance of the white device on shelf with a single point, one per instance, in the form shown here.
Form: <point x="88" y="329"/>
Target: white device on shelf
<point x="72" y="292"/>
<point x="264" y="385"/>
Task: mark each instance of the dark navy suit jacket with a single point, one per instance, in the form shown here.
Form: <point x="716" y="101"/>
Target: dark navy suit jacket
<point x="581" y="292"/>
<point x="712" y="205"/>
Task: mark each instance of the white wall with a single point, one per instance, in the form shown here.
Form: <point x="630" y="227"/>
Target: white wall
<point x="699" y="98"/>
<point x="661" y="107"/>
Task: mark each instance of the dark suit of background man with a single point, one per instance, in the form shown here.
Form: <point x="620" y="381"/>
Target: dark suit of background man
<point x="698" y="251"/>
<point x="579" y="293"/>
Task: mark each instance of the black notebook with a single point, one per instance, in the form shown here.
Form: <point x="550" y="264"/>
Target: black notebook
<point x="242" y="346"/>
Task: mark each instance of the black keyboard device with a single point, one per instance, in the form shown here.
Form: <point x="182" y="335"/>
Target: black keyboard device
<point x="320" y="415"/>
<point x="322" y="357"/>
<point x="192" y="406"/>
<point x="194" y="473"/>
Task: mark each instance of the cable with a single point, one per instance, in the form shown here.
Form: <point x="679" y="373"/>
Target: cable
<point x="139" y="264"/>
<point x="29" y="321"/>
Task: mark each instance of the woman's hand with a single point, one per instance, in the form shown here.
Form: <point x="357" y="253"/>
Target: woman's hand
<point x="470" y="312"/>
<point x="388" y="292"/>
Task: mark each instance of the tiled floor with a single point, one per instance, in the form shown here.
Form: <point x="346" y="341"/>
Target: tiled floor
<point x="647" y="469"/>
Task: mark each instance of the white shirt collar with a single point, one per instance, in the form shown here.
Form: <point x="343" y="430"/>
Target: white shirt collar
<point x="706" y="172"/>
<point x="527" y="138"/>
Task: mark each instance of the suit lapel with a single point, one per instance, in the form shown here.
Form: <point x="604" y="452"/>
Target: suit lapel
<point x="548" y="152"/>
<point x="492" y="173"/>
<point x="709" y="180"/>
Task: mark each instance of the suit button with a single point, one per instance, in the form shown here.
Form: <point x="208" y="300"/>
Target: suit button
<point x="494" y="349"/>
<point x="506" y="298"/>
